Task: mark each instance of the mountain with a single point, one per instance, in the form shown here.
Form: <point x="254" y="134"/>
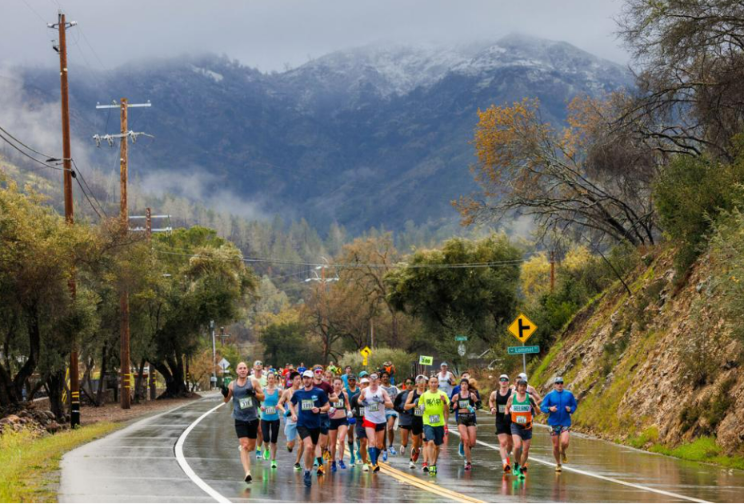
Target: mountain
<point x="372" y="136"/>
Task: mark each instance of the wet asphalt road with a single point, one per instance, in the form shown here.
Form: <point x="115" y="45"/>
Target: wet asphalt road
<point x="138" y="464"/>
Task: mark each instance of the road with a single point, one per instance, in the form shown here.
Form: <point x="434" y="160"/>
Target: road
<point x="190" y="454"/>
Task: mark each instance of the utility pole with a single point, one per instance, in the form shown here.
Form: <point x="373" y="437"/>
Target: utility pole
<point x="552" y="270"/>
<point x="214" y="356"/>
<point x="62" y="26"/>
<point x="124" y="355"/>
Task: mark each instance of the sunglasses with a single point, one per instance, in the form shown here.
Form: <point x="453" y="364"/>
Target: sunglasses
<point x="559" y="383"/>
<point x="317" y="371"/>
<point x="504" y="380"/>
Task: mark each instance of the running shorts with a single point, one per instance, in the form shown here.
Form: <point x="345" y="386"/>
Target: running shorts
<point x="290" y="431"/>
<point x="391" y="413"/>
<point x="376" y="426"/>
<point x="338" y="422"/>
<point x="408" y="423"/>
<point x="313" y="434"/>
<point x="466" y="420"/>
<point x="361" y="433"/>
<point x="325" y="424"/>
<point x="518" y="430"/>
<point x="270" y="430"/>
<point x="435" y="434"/>
<point x="557" y="430"/>
<point x="417" y="427"/>
<point x="503" y="426"/>
<point x="247" y="429"/>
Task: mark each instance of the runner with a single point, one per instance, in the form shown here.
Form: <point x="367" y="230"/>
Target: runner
<point x="374" y="417"/>
<point x="270" y="418"/>
<point x="405" y="417"/>
<point x="560" y="405"/>
<point x="390" y="416"/>
<point x="472" y="382"/>
<point x="258" y="374"/>
<point x="497" y="403"/>
<point x="446" y="379"/>
<point x="307" y="404"/>
<point x="361" y="433"/>
<point x="417" y="422"/>
<point x="290" y="425"/>
<point x="351" y="391"/>
<point x="522" y="409"/>
<point x="464" y="402"/>
<point x="245" y="393"/>
<point x="321" y="450"/>
<point x="345" y="377"/>
<point x="339" y="413"/>
<point x="436" y="415"/>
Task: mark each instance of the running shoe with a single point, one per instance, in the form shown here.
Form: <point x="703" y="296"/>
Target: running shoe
<point x="468" y="466"/>
<point x="433" y="470"/>
<point x="461" y="450"/>
<point x="384" y="455"/>
<point x="402" y="450"/>
<point x="351" y="459"/>
<point x="315" y="464"/>
<point x="558" y="468"/>
<point x="308" y="480"/>
<point x="326" y="455"/>
<point x="365" y="468"/>
<point x="298" y="467"/>
<point x="248" y="478"/>
<point x="359" y="461"/>
<point x="425" y="466"/>
<point x="321" y="470"/>
<point x="341" y="464"/>
<point x="392" y="451"/>
<point x="289" y="449"/>
<point x="516" y="470"/>
<point x="507" y="468"/>
<point x="376" y="468"/>
<point x="333" y="466"/>
<point x="415" y="454"/>
<point x="523" y="472"/>
<point x="267" y="454"/>
<point x="273" y="464"/>
<point x="258" y="454"/>
<point x="564" y="457"/>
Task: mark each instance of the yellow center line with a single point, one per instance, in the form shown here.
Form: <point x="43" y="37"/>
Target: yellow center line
<point x="426" y="485"/>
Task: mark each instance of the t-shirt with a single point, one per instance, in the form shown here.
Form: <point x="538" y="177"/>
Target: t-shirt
<point x="434" y="407"/>
<point x="306" y="400"/>
<point x="392" y="391"/>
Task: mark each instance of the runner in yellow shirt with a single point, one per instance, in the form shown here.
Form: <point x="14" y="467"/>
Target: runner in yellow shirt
<point x="436" y="414"/>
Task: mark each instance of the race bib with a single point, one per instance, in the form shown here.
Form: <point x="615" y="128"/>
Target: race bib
<point x="433" y="419"/>
<point x="419" y="411"/>
<point x="374" y="407"/>
<point x="339" y="404"/>
<point x="521" y="419"/>
<point x="307" y="404"/>
<point x="270" y="410"/>
<point x="502" y="408"/>
<point x="464" y="403"/>
<point x="245" y="403"/>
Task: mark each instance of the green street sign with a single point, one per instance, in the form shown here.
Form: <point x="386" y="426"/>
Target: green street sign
<point x="426" y="360"/>
<point x="518" y="350"/>
<point x="461" y="338"/>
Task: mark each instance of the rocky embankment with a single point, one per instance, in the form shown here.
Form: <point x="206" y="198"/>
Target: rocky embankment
<point x="31" y="419"/>
<point x="657" y="366"/>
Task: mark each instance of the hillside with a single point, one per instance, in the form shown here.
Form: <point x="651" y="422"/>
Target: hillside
<point x="658" y="369"/>
<point x="372" y="136"/>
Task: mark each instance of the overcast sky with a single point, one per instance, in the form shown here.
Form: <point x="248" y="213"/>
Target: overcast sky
<point x="271" y="33"/>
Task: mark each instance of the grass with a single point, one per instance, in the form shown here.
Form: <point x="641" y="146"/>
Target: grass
<point x="28" y="462"/>
<point x="703" y="449"/>
<point x="650" y="435"/>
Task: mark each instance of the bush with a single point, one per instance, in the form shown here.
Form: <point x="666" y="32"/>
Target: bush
<point x="689" y="194"/>
<point x="402" y="361"/>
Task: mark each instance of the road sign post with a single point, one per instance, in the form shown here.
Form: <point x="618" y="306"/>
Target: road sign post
<point x="522" y="328"/>
<point x="366" y="352"/>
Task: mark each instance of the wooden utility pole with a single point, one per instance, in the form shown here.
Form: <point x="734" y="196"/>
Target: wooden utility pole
<point x="552" y="271"/>
<point x="124" y="294"/>
<point x="62" y="26"/>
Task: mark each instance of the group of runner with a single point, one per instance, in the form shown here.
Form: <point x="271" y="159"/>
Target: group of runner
<point x="329" y="413"/>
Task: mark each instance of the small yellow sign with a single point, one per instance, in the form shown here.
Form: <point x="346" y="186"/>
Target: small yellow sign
<point x="364" y="361"/>
<point x="366" y="352"/>
<point x="522" y="328"/>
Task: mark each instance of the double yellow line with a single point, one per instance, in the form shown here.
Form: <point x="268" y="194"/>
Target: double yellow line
<point x="425" y="485"/>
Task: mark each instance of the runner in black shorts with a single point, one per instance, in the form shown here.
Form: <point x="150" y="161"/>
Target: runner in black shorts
<point x="307" y="404"/>
<point x="339" y="412"/>
<point x="405" y="417"/>
<point x="361" y="433"/>
<point x="417" y="422"/>
<point x="464" y="402"/>
<point x="497" y="403"/>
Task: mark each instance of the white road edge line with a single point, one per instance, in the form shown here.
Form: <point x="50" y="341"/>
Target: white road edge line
<point x="187" y="468"/>
<point x="599" y="476"/>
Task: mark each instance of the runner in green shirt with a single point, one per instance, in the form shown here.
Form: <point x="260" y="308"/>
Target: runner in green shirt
<point x="436" y="414"/>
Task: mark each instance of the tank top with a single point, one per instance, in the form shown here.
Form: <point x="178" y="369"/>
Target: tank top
<point x="339" y="405"/>
<point x="501" y="401"/>
<point x="418" y="411"/>
<point x="463" y="403"/>
<point x="270" y="401"/>
<point x="521" y="411"/>
<point x="245" y="405"/>
<point x="374" y="411"/>
<point x="288" y="413"/>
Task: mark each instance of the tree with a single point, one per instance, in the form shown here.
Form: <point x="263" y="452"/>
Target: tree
<point x="438" y="287"/>
<point x="527" y="166"/>
<point x="288" y="342"/>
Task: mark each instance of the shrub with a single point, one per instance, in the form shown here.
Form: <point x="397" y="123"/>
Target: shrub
<point x="402" y="361"/>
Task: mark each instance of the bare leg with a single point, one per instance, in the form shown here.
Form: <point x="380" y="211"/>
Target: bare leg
<point x="246" y="450"/>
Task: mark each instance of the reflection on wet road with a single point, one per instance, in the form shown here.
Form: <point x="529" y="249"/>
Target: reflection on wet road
<point x="138" y="464"/>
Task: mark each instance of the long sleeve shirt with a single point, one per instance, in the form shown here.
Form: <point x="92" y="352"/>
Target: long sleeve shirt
<point x="560" y="400"/>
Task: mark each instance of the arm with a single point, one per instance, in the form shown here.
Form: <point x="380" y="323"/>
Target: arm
<point x="409" y="402"/>
<point x="509" y="402"/>
<point x="492" y="402"/>
<point x="545" y="406"/>
<point x="326" y="406"/>
<point x="228" y="396"/>
<point x="258" y="390"/>
<point x="386" y="400"/>
<point x="293" y="409"/>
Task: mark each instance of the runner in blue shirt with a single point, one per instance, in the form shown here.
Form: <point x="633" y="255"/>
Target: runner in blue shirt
<point x="307" y="404"/>
<point x="560" y="405"/>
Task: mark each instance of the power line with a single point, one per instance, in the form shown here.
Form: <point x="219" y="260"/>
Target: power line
<point x="42" y="163"/>
<point x="77" y="170"/>
<point x="24" y="145"/>
<point x="87" y="198"/>
<point x="34" y="11"/>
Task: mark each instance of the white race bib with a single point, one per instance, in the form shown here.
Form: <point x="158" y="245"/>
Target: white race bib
<point x="307" y="404"/>
<point x="374" y="407"/>
<point x="419" y="411"/>
<point x="270" y="410"/>
<point x="502" y="408"/>
<point x="521" y="419"/>
<point x="245" y="403"/>
<point x="433" y="419"/>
